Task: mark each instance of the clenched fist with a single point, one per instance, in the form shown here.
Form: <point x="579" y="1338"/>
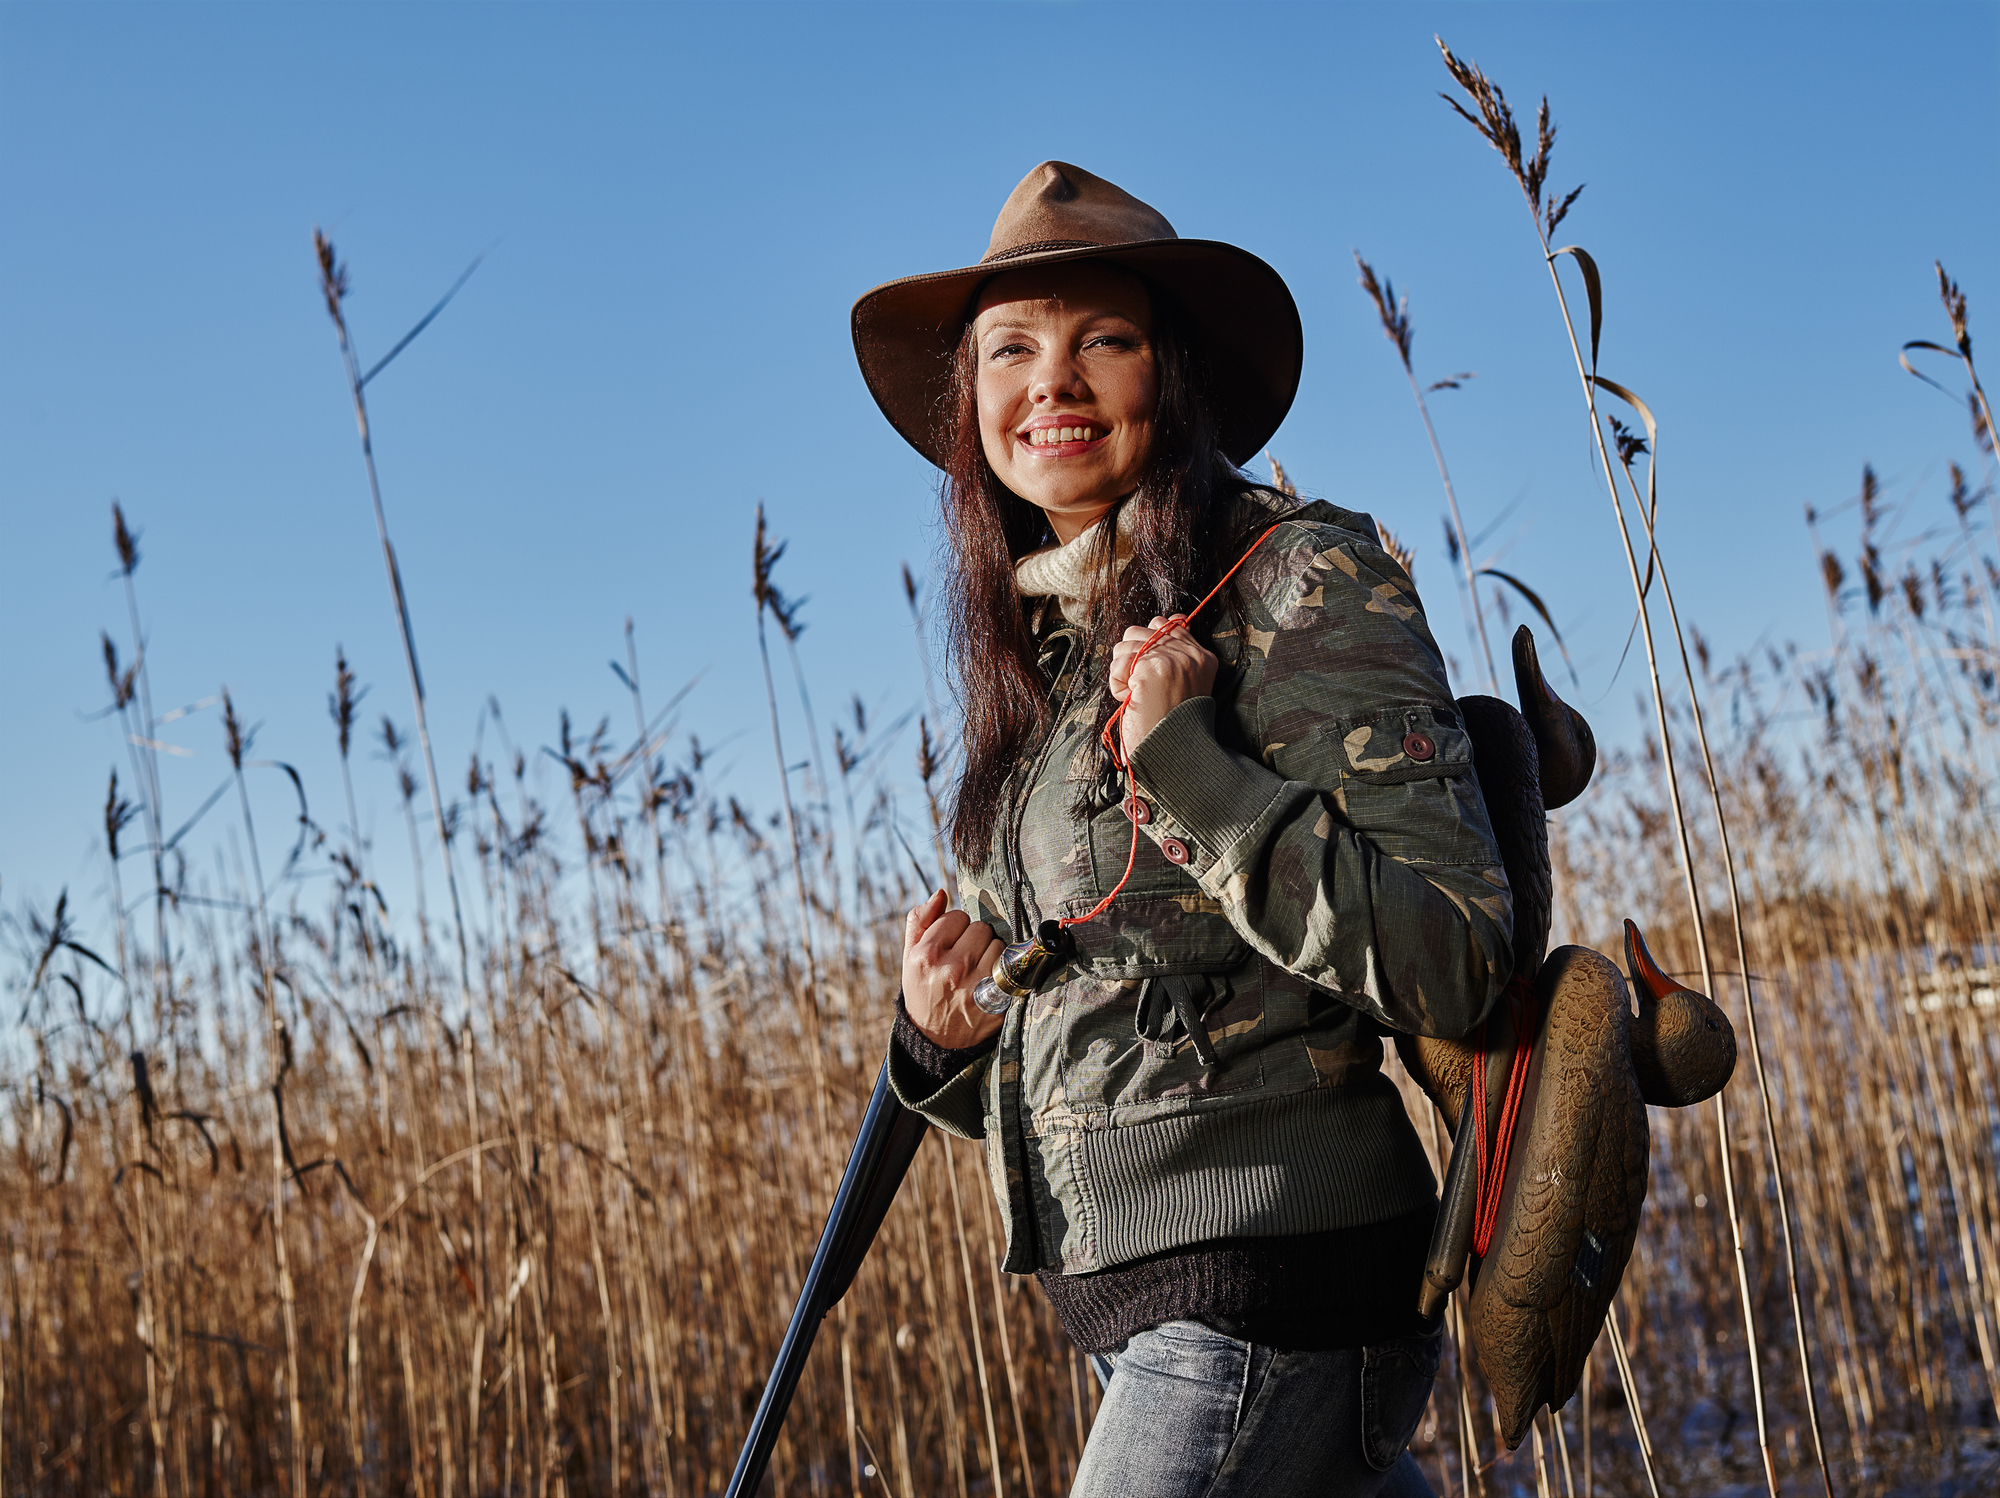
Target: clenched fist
<point x="945" y="954"/>
<point x="1175" y="669"/>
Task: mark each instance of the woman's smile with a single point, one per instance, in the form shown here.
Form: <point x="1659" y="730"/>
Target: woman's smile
<point x="1062" y="436"/>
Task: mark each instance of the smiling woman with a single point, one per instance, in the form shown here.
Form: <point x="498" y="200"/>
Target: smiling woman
<point x="1065" y="387"/>
<point x="1283" y="858"/>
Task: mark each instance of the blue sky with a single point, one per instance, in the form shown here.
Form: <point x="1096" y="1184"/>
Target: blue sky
<point x="681" y="204"/>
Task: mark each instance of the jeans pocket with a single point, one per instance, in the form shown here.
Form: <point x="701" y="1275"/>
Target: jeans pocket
<point x="1396" y="1379"/>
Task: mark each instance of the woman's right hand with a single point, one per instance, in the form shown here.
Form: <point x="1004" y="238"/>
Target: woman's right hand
<point x="945" y="954"/>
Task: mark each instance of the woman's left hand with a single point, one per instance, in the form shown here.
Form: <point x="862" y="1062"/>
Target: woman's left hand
<point x="1175" y="669"/>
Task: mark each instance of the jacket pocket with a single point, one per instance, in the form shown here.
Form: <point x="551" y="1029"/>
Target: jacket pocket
<point x="1407" y="785"/>
<point x="1128" y="1043"/>
<point x="1399" y="744"/>
<point x="1396" y="1379"/>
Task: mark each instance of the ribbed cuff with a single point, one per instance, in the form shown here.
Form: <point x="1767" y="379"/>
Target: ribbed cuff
<point x="945" y="1086"/>
<point x="1214" y="794"/>
<point x="935" y="1063"/>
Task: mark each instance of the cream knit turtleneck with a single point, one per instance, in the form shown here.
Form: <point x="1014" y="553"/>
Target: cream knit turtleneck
<point x="1064" y="572"/>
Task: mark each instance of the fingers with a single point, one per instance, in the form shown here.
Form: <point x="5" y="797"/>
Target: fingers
<point x="977" y="938"/>
<point x="933" y="948"/>
<point x="920" y="918"/>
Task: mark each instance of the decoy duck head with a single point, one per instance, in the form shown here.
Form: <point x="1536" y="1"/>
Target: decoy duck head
<point x="1683" y="1047"/>
<point x="1567" y="747"/>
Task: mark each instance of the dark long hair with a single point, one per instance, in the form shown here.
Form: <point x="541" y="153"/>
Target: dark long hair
<point x="1185" y="514"/>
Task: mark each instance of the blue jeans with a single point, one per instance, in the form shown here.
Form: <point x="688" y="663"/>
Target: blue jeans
<point x="1191" y="1413"/>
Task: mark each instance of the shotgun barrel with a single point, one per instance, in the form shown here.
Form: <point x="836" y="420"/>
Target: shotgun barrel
<point x="883" y="1150"/>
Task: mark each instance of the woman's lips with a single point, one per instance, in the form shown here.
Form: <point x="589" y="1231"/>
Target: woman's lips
<point x="1062" y="441"/>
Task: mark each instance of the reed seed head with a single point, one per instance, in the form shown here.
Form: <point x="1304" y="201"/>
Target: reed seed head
<point x="1630" y="443"/>
<point x="123" y="683"/>
<point x="927" y="760"/>
<point x="784" y="610"/>
<point x="118" y="815"/>
<point x="332" y="278"/>
<point x="1400" y="553"/>
<point x="1495" y="123"/>
<point x="1395" y="315"/>
<point x="124" y="540"/>
<point x="1871" y="577"/>
<point x="1278" y="479"/>
<point x="234" y="738"/>
<point x="342" y="701"/>
<point x="1954" y="308"/>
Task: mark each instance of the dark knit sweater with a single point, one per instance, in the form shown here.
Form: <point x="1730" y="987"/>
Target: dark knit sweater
<point x="1350" y="1287"/>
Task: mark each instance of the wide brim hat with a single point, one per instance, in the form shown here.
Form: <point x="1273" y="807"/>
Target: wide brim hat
<point x="1238" y="309"/>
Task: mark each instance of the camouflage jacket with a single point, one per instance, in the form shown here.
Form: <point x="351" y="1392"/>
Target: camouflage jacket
<point x="1315" y="867"/>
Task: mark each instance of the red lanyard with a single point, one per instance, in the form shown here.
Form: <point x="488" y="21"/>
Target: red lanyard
<point x="1114" y="742"/>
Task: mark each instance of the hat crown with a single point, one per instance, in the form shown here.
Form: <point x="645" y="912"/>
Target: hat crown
<point x="1059" y="206"/>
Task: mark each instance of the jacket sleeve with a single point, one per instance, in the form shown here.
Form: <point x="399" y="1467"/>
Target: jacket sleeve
<point x="943" y="1085"/>
<point x="1348" y="843"/>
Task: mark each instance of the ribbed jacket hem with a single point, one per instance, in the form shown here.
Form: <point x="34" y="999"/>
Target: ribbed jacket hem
<point x="1303" y="1163"/>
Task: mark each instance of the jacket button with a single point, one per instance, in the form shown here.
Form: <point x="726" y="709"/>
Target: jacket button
<point x="1419" y="746"/>
<point x="1141" y="812"/>
<point x="1175" y="849"/>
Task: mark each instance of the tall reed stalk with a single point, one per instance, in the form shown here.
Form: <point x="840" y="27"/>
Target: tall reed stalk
<point x="1397" y="328"/>
<point x="333" y="286"/>
<point x="1495" y="123"/>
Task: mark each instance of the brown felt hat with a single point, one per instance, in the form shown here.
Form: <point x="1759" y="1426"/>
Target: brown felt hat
<point x="1238" y="308"/>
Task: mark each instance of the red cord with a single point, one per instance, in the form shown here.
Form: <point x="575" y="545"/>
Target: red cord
<point x="1113" y="741"/>
<point x="1486" y="1195"/>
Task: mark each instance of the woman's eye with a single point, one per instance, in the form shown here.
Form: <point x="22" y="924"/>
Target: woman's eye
<point x="1007" y="351"/>
<point x="1108" y="340"/>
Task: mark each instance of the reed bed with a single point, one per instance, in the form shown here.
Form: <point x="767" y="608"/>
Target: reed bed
<point x="544" y="1238"/>
<point x="304" y="1194"/>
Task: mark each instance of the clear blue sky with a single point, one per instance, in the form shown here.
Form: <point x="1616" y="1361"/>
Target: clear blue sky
<point x="681" y="205"/>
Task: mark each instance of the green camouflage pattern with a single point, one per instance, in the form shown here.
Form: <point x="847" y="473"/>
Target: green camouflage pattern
<point x="1333" y="885"/>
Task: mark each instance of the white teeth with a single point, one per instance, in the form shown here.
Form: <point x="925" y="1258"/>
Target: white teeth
<point x="1051" y="436"/>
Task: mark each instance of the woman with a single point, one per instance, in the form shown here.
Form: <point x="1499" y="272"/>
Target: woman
<point x="1185" y="1117"/>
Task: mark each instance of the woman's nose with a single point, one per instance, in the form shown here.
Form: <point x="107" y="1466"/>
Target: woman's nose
<point x="1057" y="376"/>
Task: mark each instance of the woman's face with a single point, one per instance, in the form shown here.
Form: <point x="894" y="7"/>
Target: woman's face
<point x="1066" y="387"/>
